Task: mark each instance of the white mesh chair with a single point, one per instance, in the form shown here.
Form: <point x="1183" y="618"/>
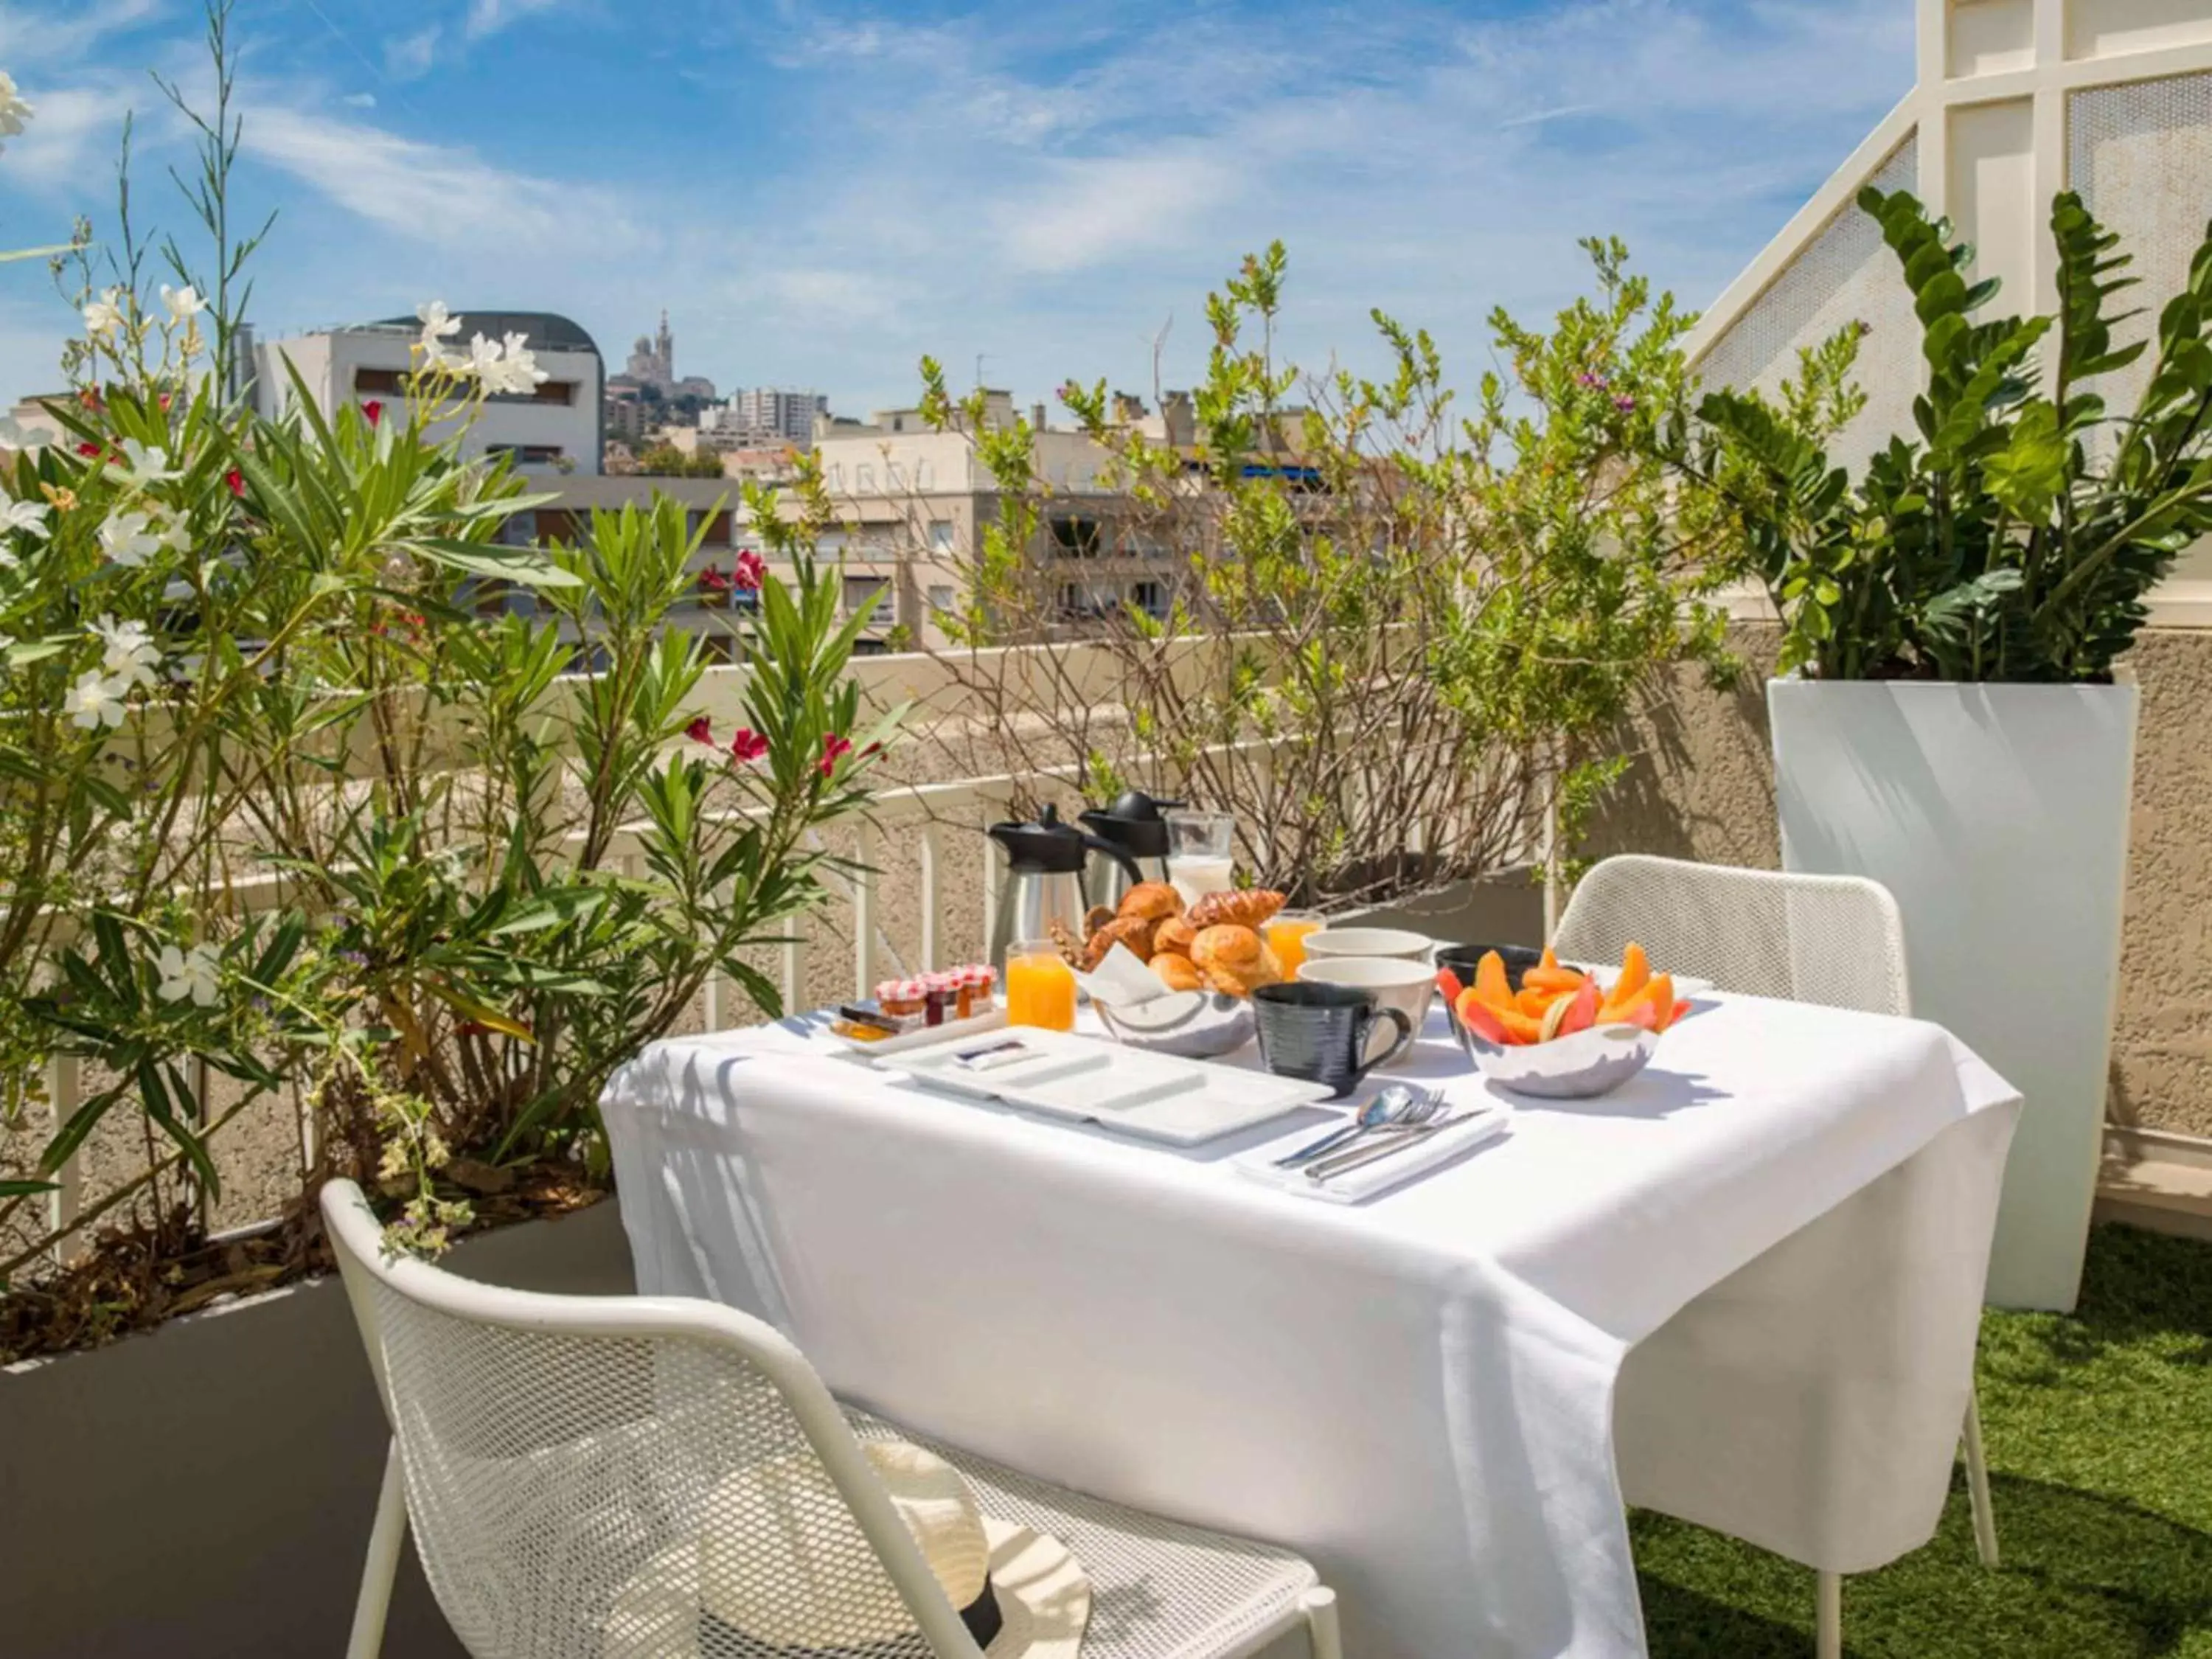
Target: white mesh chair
<point x="1836" y="940"/>
<point x="554" y="1453"/>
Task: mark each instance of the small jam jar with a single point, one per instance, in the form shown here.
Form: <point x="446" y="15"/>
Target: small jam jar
<point x="981" y="978"/>
<point x="903" y="997"/>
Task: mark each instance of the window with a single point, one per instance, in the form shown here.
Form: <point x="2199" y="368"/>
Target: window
<point x="379" y="382"/>
<point x="1151" y="597"/>
<point x="836" y="475"/>
<point x="718" y="529"/>
<point x="555" y="391"/>
<point x="528" y="454"/>
<point x="1076" y="538"/>
<point x="940" y="598"/>
<point x="940" y="535"/>
<point x="925" y="475"/>
<point x="864" y="479"/>
<point x="894" y="475"/>
<point x="859" y="590"/>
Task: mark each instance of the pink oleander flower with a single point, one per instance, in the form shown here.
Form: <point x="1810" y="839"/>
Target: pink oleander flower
<point x="834" y="748"/>
<point x="371" y="412"/>
<point x="750" y="572"/>
<point x="701" y="730"/>
<point x="747" y="745"/>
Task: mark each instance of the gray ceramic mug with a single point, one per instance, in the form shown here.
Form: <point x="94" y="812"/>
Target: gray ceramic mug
<point x="1322" y="1033"/>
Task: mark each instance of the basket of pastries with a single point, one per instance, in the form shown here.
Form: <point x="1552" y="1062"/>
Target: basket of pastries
<point x="1204" y="961"/>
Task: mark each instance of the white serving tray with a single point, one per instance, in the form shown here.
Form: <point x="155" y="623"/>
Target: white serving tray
<point x="1090" y="1080"/>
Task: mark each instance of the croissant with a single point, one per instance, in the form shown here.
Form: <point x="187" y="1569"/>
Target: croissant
<point x="1133" y="930"/>
<point x="1235" y="959"/>
<point x="1152" y="900"/>
<point x="1178" y="973"/>
<point x="1244" y="906"/>
<point x="1174" y="936"/>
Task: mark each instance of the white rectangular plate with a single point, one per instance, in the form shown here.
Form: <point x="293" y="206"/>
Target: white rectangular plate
<point x="1154" y="1096"/>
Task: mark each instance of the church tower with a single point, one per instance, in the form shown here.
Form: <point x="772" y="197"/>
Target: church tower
<point x="665" y="344"/>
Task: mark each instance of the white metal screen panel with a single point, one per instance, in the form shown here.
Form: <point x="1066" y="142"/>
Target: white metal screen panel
<point x="1845" y="275"/>
<point x="2140" y="153"/>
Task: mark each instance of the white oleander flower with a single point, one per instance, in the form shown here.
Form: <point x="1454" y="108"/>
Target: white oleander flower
<point x="517" y="369"/>
<point x="176" y="535"/>
<point x="182" y="303"/>
<point x="105" y="315"/>
<point x="131" y="655"/>
<point x="14" y="435"/>
<point x="94" y="701"/>
<point x="15" y="108"/>
<point x="140" y="465"/>
<point x="129" y="538"/>
<point x="189" y="973"/>
<point x="29" y="517"/>
<point x="483" y="359"/>
<point x="438" y="325"/>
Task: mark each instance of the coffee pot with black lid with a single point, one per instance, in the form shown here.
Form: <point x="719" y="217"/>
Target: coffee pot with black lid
<point x="1136" y="827"/>
<point x="1044" y="895"/>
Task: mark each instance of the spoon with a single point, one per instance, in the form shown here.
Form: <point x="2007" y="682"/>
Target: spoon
<point x="1397" y="1104"/>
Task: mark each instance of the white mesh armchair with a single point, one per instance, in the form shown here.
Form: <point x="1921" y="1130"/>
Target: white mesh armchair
<point x="606" y="1476"/>
<point x="1836" y="940"/>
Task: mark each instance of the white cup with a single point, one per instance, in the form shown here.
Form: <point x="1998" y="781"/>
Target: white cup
<point x="1393" y="981"/>
<point x="1373" y="942"/>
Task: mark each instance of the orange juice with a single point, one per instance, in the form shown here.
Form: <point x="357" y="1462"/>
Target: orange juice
<point x="1040" y="988"/>
<point x="1286" y="937"/>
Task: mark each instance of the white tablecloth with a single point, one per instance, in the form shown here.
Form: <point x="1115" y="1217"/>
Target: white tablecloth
<point x="1743" y="1290"/>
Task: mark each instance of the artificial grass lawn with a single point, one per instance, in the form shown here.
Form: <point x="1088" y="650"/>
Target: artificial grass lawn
<point x="2098" y="1427"/>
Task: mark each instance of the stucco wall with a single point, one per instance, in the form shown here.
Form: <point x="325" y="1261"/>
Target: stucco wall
<point x="1703" y="788"/>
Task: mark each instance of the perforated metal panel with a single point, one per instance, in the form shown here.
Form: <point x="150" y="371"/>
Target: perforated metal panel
<point x="2139" y="154"/>
<point x="1845" y="275"/>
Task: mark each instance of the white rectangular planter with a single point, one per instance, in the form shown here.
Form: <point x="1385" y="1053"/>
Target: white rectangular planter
<point x="1998" y="816"/>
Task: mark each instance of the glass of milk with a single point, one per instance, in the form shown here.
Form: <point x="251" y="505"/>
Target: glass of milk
<point x="1201" y="849"/>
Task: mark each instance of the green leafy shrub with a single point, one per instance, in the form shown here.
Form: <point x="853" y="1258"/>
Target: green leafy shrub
<point x="2015" y="533"/>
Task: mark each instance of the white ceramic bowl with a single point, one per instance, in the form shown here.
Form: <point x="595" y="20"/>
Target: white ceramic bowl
<point x="1396" y="983"/>
<point x="1578" y="1067"/>
<point x="1393" y="942"/>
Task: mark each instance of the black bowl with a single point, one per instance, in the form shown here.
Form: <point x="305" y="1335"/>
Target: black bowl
<point x="1463" y="959"/>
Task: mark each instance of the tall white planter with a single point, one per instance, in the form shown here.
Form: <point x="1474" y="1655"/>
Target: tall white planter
<point x="1998" y="816"/>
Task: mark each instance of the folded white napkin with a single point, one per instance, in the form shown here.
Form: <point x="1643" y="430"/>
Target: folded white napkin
<point x="1482" y="1123"/>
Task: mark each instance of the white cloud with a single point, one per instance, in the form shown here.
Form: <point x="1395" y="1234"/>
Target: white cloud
<point x="70" y="140"/>
<point x="490" y="17"/>
<point x="429" y="191"/>
<point x="1102" y="211"/>
<point x="359" y="101"/>
<point x="31" y="35"/>
<point x="410" y="57"/>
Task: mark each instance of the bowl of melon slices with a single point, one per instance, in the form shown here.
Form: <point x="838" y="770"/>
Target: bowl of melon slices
<point x="1563" y="1033"/>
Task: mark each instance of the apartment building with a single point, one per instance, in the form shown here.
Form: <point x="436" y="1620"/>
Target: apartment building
<point x="912" y="503"/>
<point x="557" y="428"/>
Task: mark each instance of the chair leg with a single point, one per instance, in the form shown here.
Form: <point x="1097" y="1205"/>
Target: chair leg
<point x="1978" y="1486"/>
<point x="1319" y="1605"/>
<point x="1828" y="1616"/>
<point x="385" y="1537"/>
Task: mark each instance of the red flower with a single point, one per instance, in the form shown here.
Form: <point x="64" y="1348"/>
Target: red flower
<point x="236" y="480"/>
<point x="714" y="580"/>
<point x="87" y="447"/>
<point x="748" y="745"/>
<point x="701" y="730"/>
<point x="373" y="411"/>
<point x="752" y="571"/>
<point x="89" y="397"/>
<point x="834" y="748"/>
<point x="164" y="403"/>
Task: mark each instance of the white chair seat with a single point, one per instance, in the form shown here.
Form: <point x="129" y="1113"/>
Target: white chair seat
<point x="1159" y="1590"/>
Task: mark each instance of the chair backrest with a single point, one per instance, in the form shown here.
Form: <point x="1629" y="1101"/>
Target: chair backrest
<point x="607" y="1477"/>
<point x="1838" y="940"/>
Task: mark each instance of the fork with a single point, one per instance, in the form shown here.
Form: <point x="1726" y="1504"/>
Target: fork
<point x="1321" y="1170"/>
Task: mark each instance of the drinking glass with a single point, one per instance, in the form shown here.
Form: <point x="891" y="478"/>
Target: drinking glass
<point x="1040" y="987"/>
<point x="1285" y="933"/>
<point x="1201" y="853"/>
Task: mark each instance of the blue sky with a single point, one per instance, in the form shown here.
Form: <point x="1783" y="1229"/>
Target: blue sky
<point x="819" y="193"/>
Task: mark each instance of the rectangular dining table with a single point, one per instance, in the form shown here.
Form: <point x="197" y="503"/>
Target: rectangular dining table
<point x="1744" y="1290"/>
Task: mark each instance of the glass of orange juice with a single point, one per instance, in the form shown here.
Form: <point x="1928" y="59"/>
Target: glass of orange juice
<point x="1040" y="987"/>
<point x="1286" y="932"/>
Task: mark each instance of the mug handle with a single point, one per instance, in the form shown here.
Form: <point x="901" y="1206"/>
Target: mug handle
<point x="1396" y="1016"/>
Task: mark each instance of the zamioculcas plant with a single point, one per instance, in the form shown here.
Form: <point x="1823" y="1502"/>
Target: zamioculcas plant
<point x="2014" y="535"/>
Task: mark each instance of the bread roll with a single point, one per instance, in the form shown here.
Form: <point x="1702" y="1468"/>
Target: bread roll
<point x="1246" y="907"/>
<point x="1178" y="973"/>
<point x="1152" y="900"/>
<point x="1235" y="959"/>
<point x="1174" y="937"/>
